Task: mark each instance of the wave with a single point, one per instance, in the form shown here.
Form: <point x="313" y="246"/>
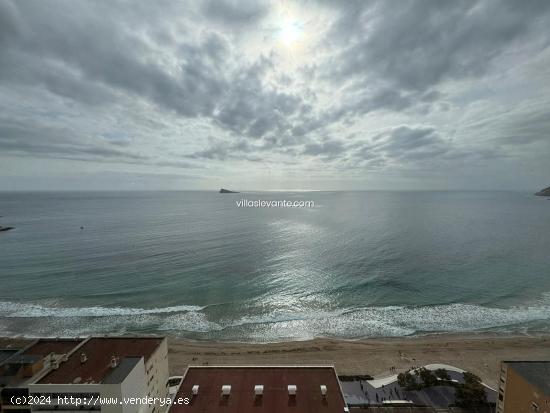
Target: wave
<point x="391" y="321"/>
<point x="31" y="310"/>
<point x="275" y="325"/>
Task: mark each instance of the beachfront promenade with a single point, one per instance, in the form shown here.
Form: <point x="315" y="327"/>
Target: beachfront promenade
<point x="387" y="390"/>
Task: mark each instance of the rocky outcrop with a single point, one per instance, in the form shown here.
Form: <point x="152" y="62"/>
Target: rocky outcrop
<point x="544" y="192"/>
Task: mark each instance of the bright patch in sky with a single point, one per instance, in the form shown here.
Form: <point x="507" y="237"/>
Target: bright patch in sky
<point x="291" y="33"/>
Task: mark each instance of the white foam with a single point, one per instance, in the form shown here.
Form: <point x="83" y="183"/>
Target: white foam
<point x="31" y="310"/>
<point x="274" y="325"/>
<point x="191" y="321"/>
<point x="452" y="317"/>
<point x="391" y="321"/>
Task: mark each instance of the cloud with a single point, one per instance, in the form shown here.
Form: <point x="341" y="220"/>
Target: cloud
<point x="205" y="80"/>
<point x="235" y="13"/>
<point x="9" y="21"/>
<point x="329" y="148"/>
<point x="404" y="139"/>
<point x="251" y="108"/>
<point x="369" y="85"/>
<point x="66" y="144"/>
<point x="413" y="146"/>
<point x="396" y="58"/>
<point x="55" y="142"/>
<point x="418" y="44"/>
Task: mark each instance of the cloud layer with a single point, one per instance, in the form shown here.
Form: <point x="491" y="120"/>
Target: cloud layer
<point x="354" y="94"/>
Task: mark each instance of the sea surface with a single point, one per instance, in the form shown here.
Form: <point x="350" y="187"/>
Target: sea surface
<point x="193" y="264"/>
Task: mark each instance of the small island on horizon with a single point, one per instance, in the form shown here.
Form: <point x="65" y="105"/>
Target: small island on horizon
<point x="4" y="228"/>
<point x="227" y="191"/>
<point x="544" y="192"/>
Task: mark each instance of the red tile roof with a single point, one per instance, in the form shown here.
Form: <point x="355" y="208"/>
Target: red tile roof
<point x="45" y="346"/>
<point x="275" y="398"/>
<point x="99" y="351"/>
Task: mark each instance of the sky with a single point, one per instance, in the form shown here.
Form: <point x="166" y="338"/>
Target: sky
<point x="319" y="95"/>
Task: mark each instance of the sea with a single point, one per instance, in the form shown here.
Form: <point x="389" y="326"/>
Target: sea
<point x="195" y="265"/>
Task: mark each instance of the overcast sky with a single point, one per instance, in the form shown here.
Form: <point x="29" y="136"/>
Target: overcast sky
<point x="277" y="95"/>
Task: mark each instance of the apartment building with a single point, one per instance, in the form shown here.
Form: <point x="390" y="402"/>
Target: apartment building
<point x="19" y="368"/>
<point x="260" y="389"/>
<point x="103" y="373"/>
<point x="524" y="387"/>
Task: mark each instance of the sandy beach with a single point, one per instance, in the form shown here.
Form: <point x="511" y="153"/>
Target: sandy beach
<point x="477" y="353"/>
<point x="480" y="354"/>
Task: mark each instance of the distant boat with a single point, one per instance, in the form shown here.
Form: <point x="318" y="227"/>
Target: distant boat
<point x="227" y="191"/>
<point x="5" y="228"/>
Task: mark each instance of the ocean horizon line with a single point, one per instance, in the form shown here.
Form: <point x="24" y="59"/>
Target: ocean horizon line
<point x="215" y="190"/>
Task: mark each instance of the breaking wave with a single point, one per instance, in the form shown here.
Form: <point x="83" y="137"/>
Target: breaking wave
<point x="199" y="322"/>
<point x="11" y="309"/>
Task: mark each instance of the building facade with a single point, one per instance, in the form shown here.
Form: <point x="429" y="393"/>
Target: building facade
<point x="524" y="387"/>
<point x="108" y="374"/>
<point x="27" y="365"/>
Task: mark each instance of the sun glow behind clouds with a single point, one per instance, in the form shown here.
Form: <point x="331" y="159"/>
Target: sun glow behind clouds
<point x="295" y="31"/>
<point x="291" y="33"/>
<point x="289" y="25"/>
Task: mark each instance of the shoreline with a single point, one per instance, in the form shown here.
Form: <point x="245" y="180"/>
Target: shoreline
<point x="478" y="353"/>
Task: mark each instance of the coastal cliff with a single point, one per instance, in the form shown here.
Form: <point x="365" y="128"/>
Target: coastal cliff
<point x="544" y="192"/>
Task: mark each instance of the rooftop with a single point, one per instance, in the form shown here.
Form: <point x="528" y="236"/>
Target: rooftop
<point x="12" y="369"/>
<point x="535" y="372"/>
<point x="98" y="352"/>
<point x="275" y="397"/>
<point x="6" y="353"/>
<point x="124" y="367"/>
<point x="45" y="346"/>
<point x="22" y="359"/>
